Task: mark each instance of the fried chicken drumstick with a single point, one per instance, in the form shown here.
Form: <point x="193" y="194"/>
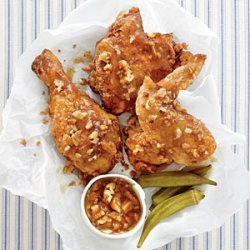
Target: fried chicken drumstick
<point x="125" y="56"/>
<point x="83" y="132"/>
<point x="166" y="131"/>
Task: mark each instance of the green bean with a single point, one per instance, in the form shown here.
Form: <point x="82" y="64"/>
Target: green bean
<point x="152" y="207"/>
<point x="173" y="179"/>
<point x="203" y="171"/>
<point x="165" y="193"/>
<point x="169" y="207"/>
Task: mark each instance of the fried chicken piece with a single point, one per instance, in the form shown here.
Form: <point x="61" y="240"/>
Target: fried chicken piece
<point x="125" y="55"/>
<point x="83" y="132"/>
<point x="145" y="150"/>
<point x="145" y="155"/>
<point x="178" y="136"/>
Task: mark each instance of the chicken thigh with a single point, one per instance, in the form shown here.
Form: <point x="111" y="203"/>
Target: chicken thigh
<point x="168" y="131"/>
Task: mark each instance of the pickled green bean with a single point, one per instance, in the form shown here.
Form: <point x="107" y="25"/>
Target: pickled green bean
<point x="203" y="171"/>
<point x="165" y="193"/>
<point x="169" y="207"/>
<point x="173" y="179"/>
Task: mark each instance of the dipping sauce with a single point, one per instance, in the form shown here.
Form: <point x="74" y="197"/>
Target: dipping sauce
<point x="112" y="206"/>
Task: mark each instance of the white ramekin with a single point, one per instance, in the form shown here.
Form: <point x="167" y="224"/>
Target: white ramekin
<point x="140" y="194"/>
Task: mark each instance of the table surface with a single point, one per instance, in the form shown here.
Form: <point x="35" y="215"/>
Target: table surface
<point x="24" y="225"/>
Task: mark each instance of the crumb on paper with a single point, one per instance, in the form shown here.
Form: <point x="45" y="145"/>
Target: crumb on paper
<point x="78" y="60"/>
<point x="87" y="69"/>
<point x="38" y="143"/>
<point x="72" y="183"/>
<point x="59" y="51"/>
<point x="63" y="187"/>
<point x="88" y="55"/>
<point x="81" y="184"/>
<point x="213" y="159"/>
<point x="43" y="93"/>
<point x="83" y="81"/>
<point x="125" y="165"/>
<point x="70" y="72"/>
<point x="34" y="154"/>
<point x="64" y="60"/>
<point x="68" y="168"/>
<point x="45" y="111"/>
<point x="132" y="173"/>
<point x="23" y="142"/>
<point x="59" y="169"/>
<point x="74" y="46"/>
<point x="45" y="120"/>
<point x="85" y="178"/>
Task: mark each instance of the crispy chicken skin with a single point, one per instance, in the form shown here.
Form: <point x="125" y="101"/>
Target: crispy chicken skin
<point x="144" y="149"/>
<point x="169" y="133"/>
<point x="125" y="56"/>
<point x="83" y="132"/>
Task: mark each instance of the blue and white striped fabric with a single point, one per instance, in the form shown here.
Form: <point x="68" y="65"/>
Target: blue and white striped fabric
<point x="23" y="225"/>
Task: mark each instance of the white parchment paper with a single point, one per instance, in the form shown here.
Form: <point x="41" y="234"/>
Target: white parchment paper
<point x="40" y="179"/>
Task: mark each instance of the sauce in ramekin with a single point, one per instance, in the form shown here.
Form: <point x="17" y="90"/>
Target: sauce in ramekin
<point x="112" y="205"/>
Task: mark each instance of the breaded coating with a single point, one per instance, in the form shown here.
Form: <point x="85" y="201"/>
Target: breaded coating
<point x="125" y="56"/>
<point x="83" y="132"/>
<point x="178" y="136"/>
<point x="145" y="150"/>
